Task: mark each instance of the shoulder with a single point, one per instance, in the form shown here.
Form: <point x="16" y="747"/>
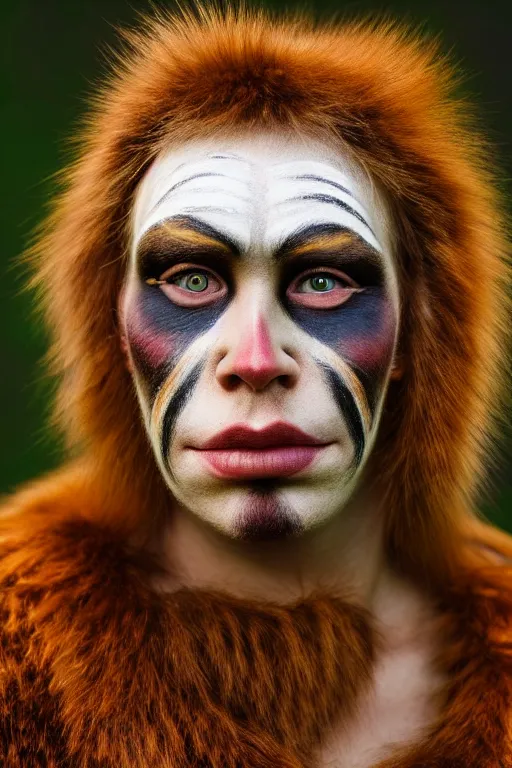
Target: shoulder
<point x="45" y="535"/>
<point x="57" y="568"/>
<point x="57" y="534"/>
<point x="31" y="731"/>
<point x="53" y="544"/>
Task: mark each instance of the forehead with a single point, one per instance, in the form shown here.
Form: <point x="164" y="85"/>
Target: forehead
<point x="259" y="189"/>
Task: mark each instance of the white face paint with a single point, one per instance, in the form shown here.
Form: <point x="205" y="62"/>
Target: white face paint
<point x="261" y="299"/>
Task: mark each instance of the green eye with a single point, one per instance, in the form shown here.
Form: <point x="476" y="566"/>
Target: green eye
<point x="321" y="283"/>
<point x="193" y="281"/>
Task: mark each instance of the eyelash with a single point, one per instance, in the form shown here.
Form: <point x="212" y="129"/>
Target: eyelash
<point x="329" y="271"/>
<point x="315" y="299"/>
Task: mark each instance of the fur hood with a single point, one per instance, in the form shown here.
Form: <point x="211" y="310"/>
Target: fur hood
<point x="389" y="99"/>
<point x="97" y="669"/>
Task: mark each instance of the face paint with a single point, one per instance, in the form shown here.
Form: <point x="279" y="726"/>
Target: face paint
<point x="265" y="516"/>
<point x="362" y="329"/>
<point x="260" y="311"/>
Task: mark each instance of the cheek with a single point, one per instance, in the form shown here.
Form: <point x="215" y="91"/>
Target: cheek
<point x="149" y="347"/>
<point x="158" y="332"/>
<point x="362" y="332"/>
<point x="369" y="343"/>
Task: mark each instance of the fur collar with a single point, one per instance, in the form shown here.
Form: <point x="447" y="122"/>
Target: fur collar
<point x="102" y="670"/>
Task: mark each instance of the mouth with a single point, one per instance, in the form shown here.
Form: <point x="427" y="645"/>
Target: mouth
<point x="278" y="450"/>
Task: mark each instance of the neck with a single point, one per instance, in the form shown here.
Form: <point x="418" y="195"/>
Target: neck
<point x="342" y="557"/>
<point x="338" y="572"/>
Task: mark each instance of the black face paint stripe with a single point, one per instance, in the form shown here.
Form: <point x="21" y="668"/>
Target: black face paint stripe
<point x="314" y="177"/>
<point x="176" y="404"/>
<point x="180" y="184"/>
<point x="348" y="407"/>
<point x="360" y="319"/>
<point x="330" y="199"/>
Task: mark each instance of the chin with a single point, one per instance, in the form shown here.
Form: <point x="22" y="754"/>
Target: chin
<point x="265" y="515"/>
<point x="265" y="510"/>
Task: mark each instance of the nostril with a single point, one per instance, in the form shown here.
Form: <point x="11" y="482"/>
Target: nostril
<point x="285" y="380"/>
<point x="231" y="381"/>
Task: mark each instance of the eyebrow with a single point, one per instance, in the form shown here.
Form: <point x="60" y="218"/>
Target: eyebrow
<point x="181" y="183"/>
<point x="225" y="157"/>
<point x="326" y="238"/>
<point x="314" y="177"/>
<point x="179" y="237"/>
<point x="319" y="197"/>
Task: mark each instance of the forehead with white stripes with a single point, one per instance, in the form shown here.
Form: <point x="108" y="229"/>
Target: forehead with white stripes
<point x="260" y="315"/>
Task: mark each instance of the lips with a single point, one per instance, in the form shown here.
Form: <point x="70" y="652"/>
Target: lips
<point x="278" y="450"/>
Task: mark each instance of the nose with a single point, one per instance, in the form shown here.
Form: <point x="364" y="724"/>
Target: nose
<point x="256" y="359"/>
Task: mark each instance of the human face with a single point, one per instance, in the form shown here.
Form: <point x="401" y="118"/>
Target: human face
<point x="260" y="315"/>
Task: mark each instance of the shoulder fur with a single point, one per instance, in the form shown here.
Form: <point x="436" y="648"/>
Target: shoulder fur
<point x="98" y="668"/>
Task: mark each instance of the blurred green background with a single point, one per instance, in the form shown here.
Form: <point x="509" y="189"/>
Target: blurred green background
<point x="54" y="51"/>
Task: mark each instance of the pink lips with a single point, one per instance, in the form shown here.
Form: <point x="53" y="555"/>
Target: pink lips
<point x="278" y="450"/>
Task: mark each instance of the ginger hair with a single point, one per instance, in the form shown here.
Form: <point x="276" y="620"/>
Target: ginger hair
<point x="389" y="97"/>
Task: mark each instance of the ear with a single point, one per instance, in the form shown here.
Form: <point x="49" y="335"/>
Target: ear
<point x="125" y="347"/>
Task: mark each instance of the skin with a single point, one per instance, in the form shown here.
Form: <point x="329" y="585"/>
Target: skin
<point x="295" y="302"/>
<point x="256" y="343"/>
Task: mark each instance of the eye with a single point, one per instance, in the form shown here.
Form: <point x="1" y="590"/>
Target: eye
<point x="191" y="286"/>
<point x="318" y="284"/>
<point x="322" y="289"/>
<point x="193" y="281"/>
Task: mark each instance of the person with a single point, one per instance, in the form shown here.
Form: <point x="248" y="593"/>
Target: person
<point x="276" y="280"/>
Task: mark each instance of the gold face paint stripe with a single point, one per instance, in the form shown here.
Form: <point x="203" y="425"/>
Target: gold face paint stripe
<point x="191" y="236"/>
<point x="189" y="359"/>
<point x="355" y="386"/>
<point x="324" y="242"/>
<point x="325" y="353"/>
<point x="171" y="235"/>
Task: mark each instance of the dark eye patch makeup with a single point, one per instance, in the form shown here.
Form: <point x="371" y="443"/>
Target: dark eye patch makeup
<point x="183" y="239"/>
<point x="361" y="330"/>
<point x="153" y="316"/>
<point x="358" y="266"/>
<point x="261" y="291"/>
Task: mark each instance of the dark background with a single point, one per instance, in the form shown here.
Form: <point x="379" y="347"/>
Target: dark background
<point x="54" y="51"/>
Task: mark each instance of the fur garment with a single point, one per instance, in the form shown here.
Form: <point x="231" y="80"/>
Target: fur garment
<point x="100" y="670"/>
